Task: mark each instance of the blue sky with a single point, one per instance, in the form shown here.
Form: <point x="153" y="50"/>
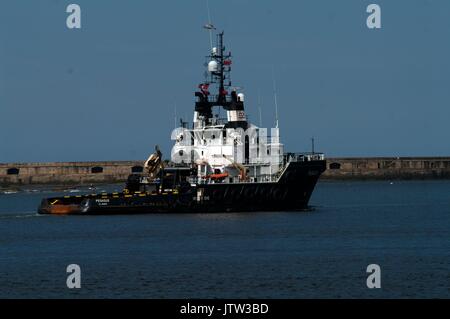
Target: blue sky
<point x="109" y="90"/>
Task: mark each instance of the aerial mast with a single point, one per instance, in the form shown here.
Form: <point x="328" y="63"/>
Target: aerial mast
<point x="209" y="26"/>
<point x="275" y="99"/>
<point x="221" y="50"/>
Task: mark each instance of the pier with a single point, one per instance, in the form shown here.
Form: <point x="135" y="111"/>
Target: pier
<point x="67" y="173"/>
<point x="386" y="168"/>
<point x="351" y="168"/>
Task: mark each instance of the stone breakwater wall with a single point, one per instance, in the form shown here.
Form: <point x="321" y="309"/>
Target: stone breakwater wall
<point x="80" y="173"/>
<point x="388" y="168"/>
<point x="85" y="173"/>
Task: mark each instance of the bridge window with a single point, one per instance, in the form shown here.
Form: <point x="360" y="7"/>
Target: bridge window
<point x="335" y="166"/>
<point x="96" y="170"/>
<point x="137" y="169"/>
<point x="13" y="171"/>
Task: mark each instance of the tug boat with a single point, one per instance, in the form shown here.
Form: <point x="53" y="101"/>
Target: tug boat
<point x="217" y="165"/>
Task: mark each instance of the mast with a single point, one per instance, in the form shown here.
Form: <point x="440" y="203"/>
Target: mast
<point x="221" y="68"/>
<point x="219" y="75"/>
<point x="275" y="98"/>
<point x="209" y="26"/>
<point x="259" y="108"/>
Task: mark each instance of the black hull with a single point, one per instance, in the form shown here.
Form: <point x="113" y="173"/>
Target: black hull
<point x="292" y="191"/>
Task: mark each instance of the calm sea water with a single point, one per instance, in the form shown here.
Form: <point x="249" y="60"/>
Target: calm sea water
<point x="404" y="227"/>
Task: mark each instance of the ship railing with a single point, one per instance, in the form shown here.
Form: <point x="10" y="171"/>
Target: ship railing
<point x="212" y="98"/>
<point x="218" y="121"/>
<point x="266" y="178"/>
<point x="303" y="157"/>
<point x="287" y="158"/>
